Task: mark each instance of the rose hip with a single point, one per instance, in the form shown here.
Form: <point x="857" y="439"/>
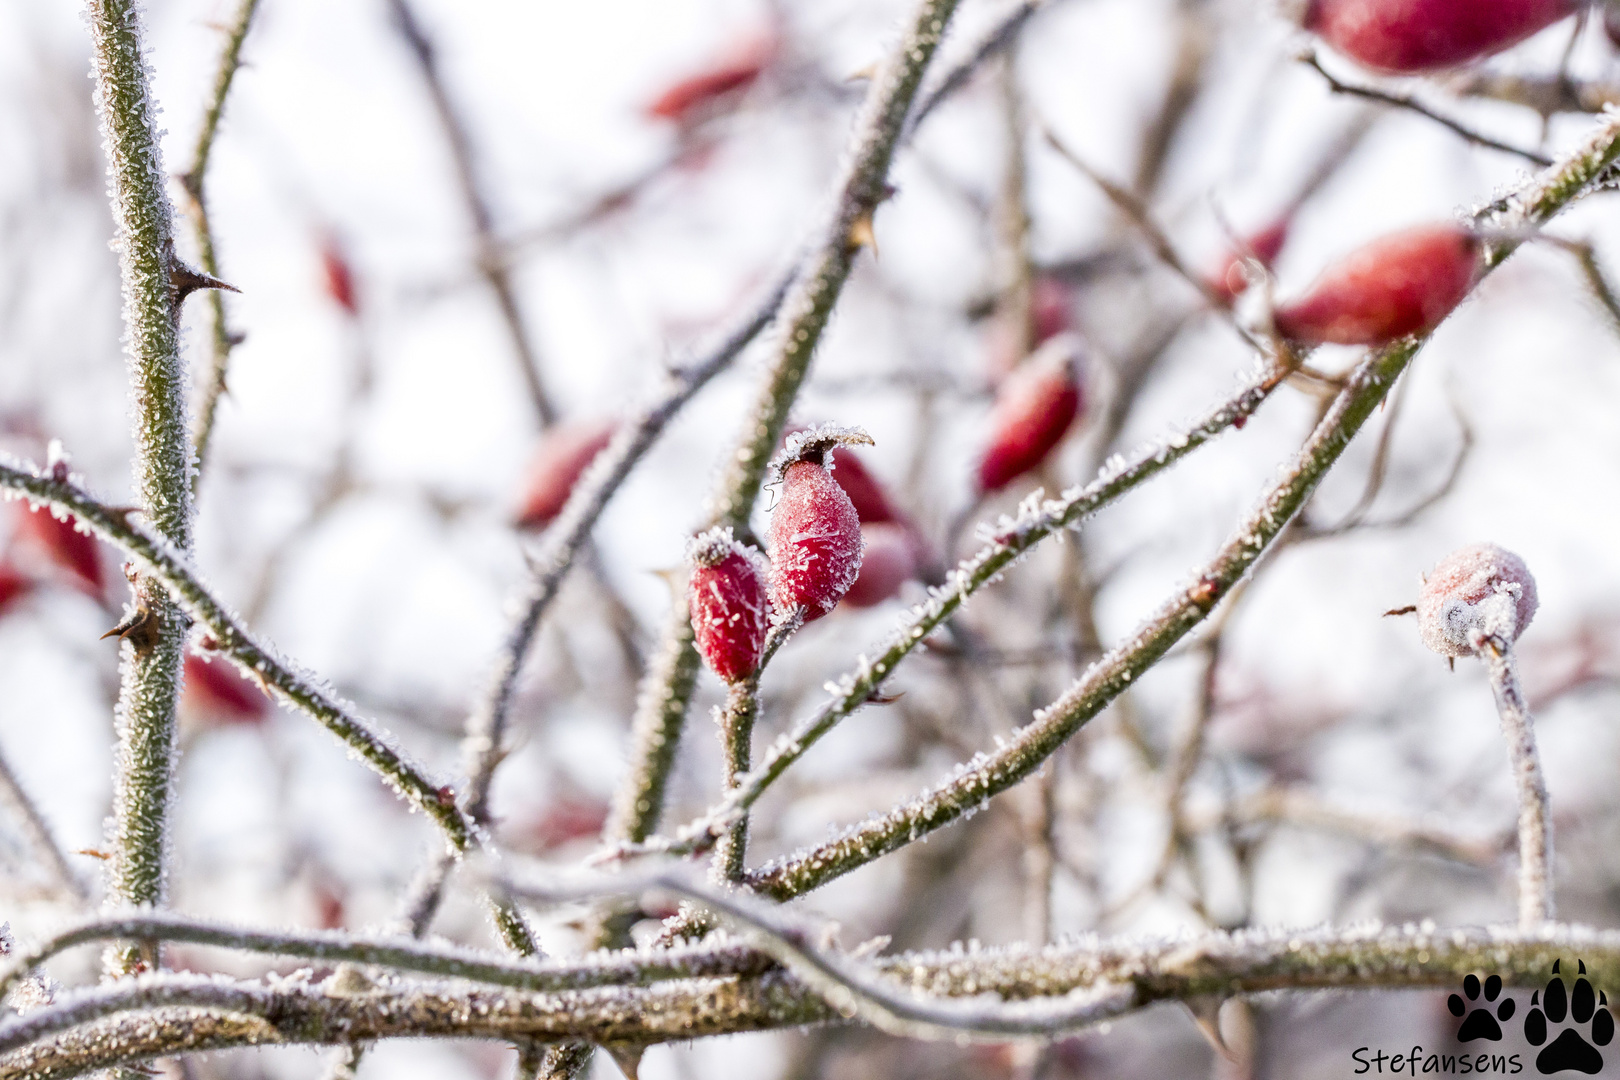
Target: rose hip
<point x="62" y="545"/>
<point x="215" y="691"/>
<point x="1034" y="409"/>
<point x="691" y="98"/>
<point x="1229" y="280"/>
<point x="1407" y="37"/>
<point x="814" y="537"/>
<point x="726" y="595"/>
<point x="1453" y="610"/>
<point x="337" y="275"/>
<point x="563" y="455"/>
<point x="888" y="561"/>
<point x="1400" y="284"/>
<point x="14" y="585"/>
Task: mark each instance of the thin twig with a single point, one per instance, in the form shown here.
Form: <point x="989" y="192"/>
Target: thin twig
<point x="163" y="565"/>
<point x="1403" y="101"/>
<point x="491" y="263"/>
<point x="39" y="835"/>
<point x="1535" y="810"/>
<point x="195" y="180"/>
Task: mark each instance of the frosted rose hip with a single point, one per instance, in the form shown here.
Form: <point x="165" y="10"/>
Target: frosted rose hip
<point x="1400" y="284"/>
<point x="1452" y="606"/>
<point x="814" y="537"/>
<point x="888" y="561"/>
<point x="1411" y="36"/>
<point x="563" y="455"/>
<point x="726" y="596"/>
<point x="1034" y="410"/>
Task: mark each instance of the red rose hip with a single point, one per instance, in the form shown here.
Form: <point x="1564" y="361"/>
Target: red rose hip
<point x="726" y="596"/>
<point x="1034" y="410"/>
<point x="1407" y="37"/>
<point x="216" y="691"/>
<point x="1230" y="278"/>
<point x="59" y="542"/>
<point x="693" y="97"/>
<point x="1400" y="284"/>
<point x="1472" y="593"/>
<point x="814" y="537"/>
<point x="561" y="458"/>
<point x="888" y="561"/>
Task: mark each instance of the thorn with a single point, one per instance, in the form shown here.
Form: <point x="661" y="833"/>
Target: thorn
<point x="185" y="280"/>
<point x="878" y="697"/>
<point x="1555" y="966"/>
<point x="865" y="74"/>
<point x="1582" y="963"/>
<point x="1407" y="610"/>
<point x="870" y="947"/>
<point x="627" y="1058"/>
<point x="1451" y="663"/>
<point x="861" y="233"/>
<point x="94" y="853"/>
<point x="129" y="624"/>
<point x="1206" y="1013"/>
<point x="235" y="338"/>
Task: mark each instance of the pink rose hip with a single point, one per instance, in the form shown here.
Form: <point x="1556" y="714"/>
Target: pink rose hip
<point x="1457" y="603"/>
<point x="1408" y="37"/>
<point x="726" y="595"/>
<point x="560" y="459"/>
<point x="814" y="537"/>
<point x="1034" y="410"/>
<point x="1400" y="284"/>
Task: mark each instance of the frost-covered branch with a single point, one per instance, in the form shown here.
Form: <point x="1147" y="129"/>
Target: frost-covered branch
<point x="159" y="561"/>
<point x="154" y="1016"/>
<point x="195" y="180"/>
<point x="1535" y="810"/>
<point x="150" y="274"/>
<point x="1364" y="390"/>
<point x="1013" y="539"/>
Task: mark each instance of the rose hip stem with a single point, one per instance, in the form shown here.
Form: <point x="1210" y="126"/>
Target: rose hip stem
<point x="1535" y="813"/>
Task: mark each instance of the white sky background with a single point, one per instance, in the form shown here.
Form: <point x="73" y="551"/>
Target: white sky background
<point x="329" y="129"/>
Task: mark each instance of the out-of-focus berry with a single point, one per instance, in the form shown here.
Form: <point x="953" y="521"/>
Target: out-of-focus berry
<point x="692" y="98"/>
<point x="337" y="275"/>
<point x="1035" y="408"/>
<point x="1400" y="284"/>
<point x="14" y="585"/>
<point x="564" y="453"/>
<point x="215" y="692"/>
<point x="888" y="562"/>
<point x="726" y="595"/>
<point x="1455" y="606"/>
<point x="1050" y="314"/>
<point x="1229" y="279"/>
<point x="814" y="537"/>
<point x="60" y="544"/>
<point x="1408" y="37"/>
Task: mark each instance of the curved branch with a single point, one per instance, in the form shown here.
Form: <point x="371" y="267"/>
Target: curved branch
<point x="156" y="557"/>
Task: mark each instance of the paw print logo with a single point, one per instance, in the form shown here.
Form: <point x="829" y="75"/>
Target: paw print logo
<point x="1570" y="1051"/>
<point x="1480" y="1023"/>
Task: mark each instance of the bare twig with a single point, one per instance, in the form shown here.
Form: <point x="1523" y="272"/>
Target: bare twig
<point x="1404" y="101"/>
<point x="223" y="339"/>
<point x="39" y="836"/>
<point x="1535" y="812"/>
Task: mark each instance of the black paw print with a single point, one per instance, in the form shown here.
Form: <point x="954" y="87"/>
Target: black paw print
<point x="1480" y="1023"/>
<point x="1570" y="1051"/>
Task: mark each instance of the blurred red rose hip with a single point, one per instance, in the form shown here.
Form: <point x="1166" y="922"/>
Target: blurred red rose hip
<point x="337" y="275"/>
<point x="888" y="562"/>
<point x="1400" y="284"/>
<point x="56" y="542"/>
<point x="689" y="99"/>
<point x="1229" y="279"/>
<point x="14" y="585"/>
<point x="1408" y="37"/>
<point x="216" y="692"/>
<point x="1034" y="410"/>
<point x="726" y="596"/>
<point x="564" y="453"/>
<point x="814" y="537"/>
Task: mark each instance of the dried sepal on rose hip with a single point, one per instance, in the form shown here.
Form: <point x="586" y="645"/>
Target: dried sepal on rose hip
<point x="1400" y="284"/>
<point x="814" y="539"/>
<point x="1035" y="408"/>
<point x="727" y="597"/>
<point x="1473" y="594"/>
<point x="1409" y="37"/>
